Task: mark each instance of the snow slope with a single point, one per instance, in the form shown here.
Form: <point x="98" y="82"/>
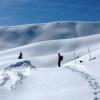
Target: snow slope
<point x="14" y="36"/>
<point x="45" y="50"/>
<point x="38" y="77"/>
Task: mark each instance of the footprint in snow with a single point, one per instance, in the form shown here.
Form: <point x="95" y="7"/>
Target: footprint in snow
<point x="91" y="81"/>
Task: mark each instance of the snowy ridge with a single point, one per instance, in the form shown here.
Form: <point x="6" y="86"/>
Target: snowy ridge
<point x="53" y="46"/>
<point x="15" y="36"/>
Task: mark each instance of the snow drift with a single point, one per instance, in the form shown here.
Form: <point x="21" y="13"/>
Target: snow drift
<point x="11" y="77"/>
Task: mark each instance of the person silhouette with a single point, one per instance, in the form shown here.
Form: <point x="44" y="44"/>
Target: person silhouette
<point x="20" y="55"/>
<point x="60" y="58"/>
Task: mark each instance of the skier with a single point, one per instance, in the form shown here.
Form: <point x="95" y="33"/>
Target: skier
<point x="20" y="56"/>
<point x="60" y="58"/>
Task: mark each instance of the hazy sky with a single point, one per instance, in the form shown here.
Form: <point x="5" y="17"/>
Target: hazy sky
<point x="14" y="12"/>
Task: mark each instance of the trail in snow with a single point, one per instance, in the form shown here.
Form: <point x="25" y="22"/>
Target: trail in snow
<point x="92" y="82"/>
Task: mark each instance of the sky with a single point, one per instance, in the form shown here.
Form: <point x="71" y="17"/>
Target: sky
<point x="16" y="12"/>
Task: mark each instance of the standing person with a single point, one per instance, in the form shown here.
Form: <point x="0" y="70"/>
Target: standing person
<point x="20" y="55"/>
<point x="60" y="58"/>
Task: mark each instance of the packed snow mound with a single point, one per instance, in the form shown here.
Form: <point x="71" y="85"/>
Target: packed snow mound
<point x="13" y="36"/>
<point x="12" y="76"/>
<point x="21" y="64"/>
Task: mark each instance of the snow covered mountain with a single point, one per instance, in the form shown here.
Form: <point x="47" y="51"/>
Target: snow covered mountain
<point x="37" y="76"/>
<point x="14" y="36"/>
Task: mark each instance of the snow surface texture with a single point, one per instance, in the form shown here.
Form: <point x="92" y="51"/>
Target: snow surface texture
<point x="38" y="77"/>
<point x="13" y="75"/>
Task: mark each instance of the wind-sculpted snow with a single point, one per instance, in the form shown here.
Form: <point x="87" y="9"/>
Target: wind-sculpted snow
<point x="14" y="36"/>
<point x="12" y="76"/>
<point x="26" y="63"/>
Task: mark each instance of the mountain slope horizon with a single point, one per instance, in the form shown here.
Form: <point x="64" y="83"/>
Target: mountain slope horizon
<point x="14" y="36"/>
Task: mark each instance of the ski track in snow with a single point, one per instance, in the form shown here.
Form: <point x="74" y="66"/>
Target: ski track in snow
<point x="95" y="87"/>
